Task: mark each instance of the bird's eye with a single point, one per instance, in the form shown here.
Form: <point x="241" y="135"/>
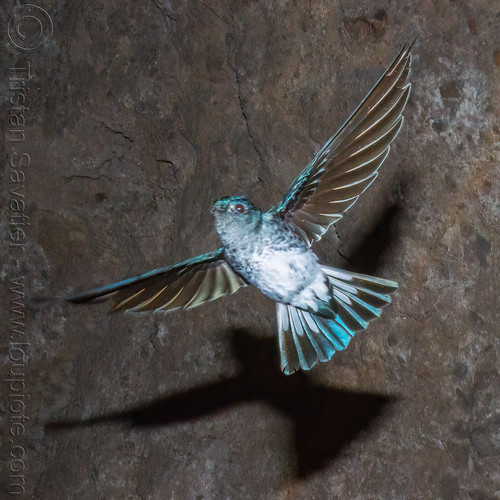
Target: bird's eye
<point x="240" y="208"/>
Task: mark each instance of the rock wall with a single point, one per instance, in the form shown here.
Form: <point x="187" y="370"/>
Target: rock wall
<point x="123" y="121"/>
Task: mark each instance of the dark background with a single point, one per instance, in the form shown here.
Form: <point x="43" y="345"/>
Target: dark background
<point x="143" y="113"/>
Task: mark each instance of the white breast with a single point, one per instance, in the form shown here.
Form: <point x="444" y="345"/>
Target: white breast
<point x="279" y="263"/>
<point x="288" y="276"/>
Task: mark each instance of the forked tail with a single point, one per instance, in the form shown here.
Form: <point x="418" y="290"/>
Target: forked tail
<point x="306" y="338"/>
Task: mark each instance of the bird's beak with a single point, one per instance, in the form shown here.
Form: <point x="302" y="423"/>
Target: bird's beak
<point x="216" y="207"/>
<point x="220" y="205"/>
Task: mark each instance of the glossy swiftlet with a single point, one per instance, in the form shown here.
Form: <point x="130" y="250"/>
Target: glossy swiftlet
<point x="319" y="308"/>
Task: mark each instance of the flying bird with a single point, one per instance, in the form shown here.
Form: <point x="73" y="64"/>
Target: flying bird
<point x="319" y="308"/>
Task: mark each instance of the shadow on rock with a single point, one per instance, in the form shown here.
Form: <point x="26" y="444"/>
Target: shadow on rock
<point x="366" y="257"/>
<point x="325" y="419"/>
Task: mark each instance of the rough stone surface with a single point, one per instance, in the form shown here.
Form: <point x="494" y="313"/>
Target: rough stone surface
<point x="140" y="115"/>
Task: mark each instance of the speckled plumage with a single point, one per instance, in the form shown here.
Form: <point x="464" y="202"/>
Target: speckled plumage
<point x="319" y="308"/>
<point x="266" y="252"/>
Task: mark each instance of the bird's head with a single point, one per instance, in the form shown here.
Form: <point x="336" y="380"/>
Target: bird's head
<point x="235" y="216"/>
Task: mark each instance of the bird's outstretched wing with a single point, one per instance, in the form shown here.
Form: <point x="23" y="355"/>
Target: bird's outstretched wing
<point x="181" y="286"/>
<point x="347" y="164"/>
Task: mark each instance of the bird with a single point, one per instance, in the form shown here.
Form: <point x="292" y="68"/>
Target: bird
<point x="319" y="308"/>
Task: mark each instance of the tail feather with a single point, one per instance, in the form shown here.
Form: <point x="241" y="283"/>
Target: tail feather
<point x="306" y="338"/>
<point x="303" y="339"/>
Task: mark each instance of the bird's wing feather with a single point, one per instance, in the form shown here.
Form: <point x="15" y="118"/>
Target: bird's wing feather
<point x="347" y="164"/>
<point x="181" y="286"/>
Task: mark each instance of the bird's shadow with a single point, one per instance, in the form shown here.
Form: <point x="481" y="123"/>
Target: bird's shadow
<point x="325" y="420"/>
<point x="367" y="255"/>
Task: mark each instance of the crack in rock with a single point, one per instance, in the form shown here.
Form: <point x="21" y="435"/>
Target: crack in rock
<point x="242" y="109"/>
<point x="165" y="8"/>
<point x="82" y="176"/>
<point x="119" y="132"/>
<point x="171" y="164"/>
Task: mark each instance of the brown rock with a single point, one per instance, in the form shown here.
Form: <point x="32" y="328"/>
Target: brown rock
<point x="138" y="115"/>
